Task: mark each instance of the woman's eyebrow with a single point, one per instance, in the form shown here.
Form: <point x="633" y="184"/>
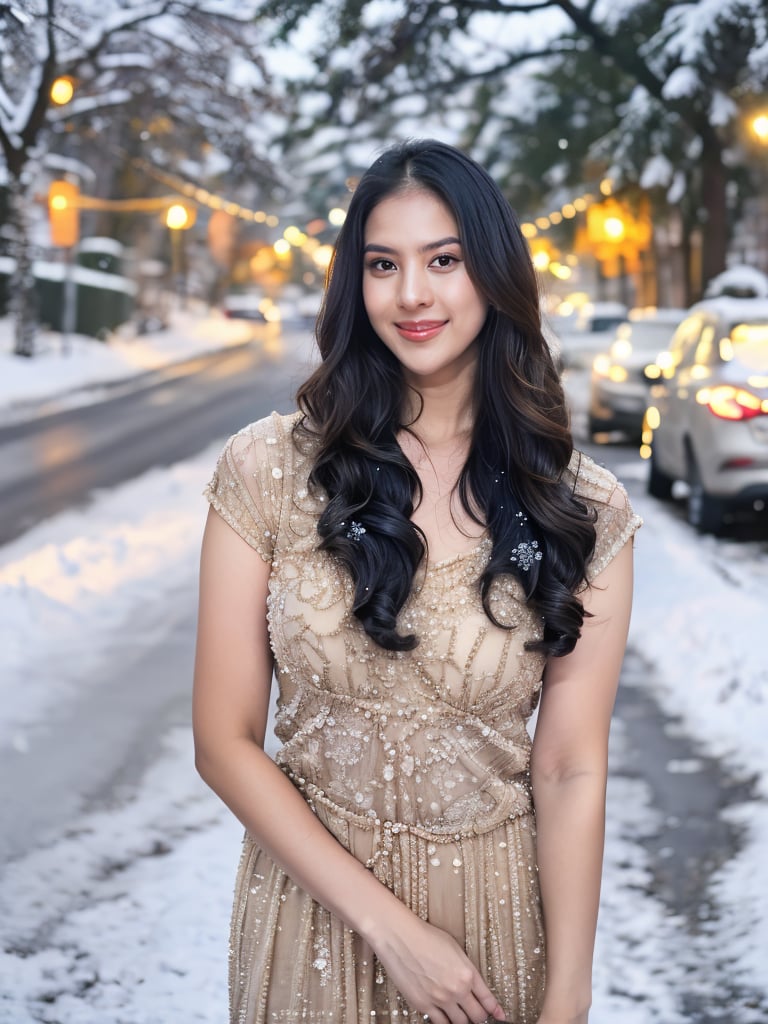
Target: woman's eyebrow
<point x="450" y="240"/>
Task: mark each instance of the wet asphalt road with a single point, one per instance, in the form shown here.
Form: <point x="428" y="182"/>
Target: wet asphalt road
<point x="56" y="459"/>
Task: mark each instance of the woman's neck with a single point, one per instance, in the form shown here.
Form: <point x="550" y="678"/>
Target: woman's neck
<point x="441" y="415"/>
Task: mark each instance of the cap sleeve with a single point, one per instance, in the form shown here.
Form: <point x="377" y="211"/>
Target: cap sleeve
<point x="247" y="485"/>
<point x="616" y="521"/>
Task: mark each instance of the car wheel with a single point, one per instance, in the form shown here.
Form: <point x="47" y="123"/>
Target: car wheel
<point x="659" y="485"/>
<point x="705" y="512"/>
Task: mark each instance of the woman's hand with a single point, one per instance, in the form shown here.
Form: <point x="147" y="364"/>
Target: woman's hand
<point x="434" y="975"/>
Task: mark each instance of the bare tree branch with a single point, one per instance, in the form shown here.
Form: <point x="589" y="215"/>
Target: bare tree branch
<point x="514" y="60"/>
<point x="37" y="115"/>
<point x="131" y="19"/>
<point x="500" y="7"/>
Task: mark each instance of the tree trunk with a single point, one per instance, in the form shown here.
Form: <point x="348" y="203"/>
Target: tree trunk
<point x="23" y="300"/>
<point x="714" y="222"/>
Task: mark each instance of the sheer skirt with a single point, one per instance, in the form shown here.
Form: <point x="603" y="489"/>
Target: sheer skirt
<point x="291" y="960"/>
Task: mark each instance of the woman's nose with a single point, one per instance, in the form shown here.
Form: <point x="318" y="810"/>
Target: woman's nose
<point x="415" y="289"/>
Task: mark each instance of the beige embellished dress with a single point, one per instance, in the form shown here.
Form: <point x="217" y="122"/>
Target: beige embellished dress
<point x="416" y="761"/>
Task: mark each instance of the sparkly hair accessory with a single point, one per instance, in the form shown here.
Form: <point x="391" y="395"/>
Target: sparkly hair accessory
<point x="527" y="552"/>
<point x="355" y="531"/>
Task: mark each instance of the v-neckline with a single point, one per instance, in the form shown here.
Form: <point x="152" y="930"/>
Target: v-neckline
<point x="461" y="556"/>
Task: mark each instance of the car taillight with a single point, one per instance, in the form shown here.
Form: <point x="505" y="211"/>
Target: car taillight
<point x="731" y="403"/>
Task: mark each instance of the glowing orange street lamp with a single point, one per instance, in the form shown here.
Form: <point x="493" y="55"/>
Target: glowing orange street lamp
<point x="759" y="125"/>
<point x="614" y="228"/>
<point x="64" y="213"/>
<point x="64" y="219"/>
<point x="62" y="90"/>
<point x="178" y="218"/>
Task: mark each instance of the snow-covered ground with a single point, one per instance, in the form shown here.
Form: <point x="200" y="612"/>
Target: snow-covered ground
<point x="124" y="920"/>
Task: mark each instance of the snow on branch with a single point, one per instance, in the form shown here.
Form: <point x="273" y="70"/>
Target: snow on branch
<point x="87" y="104"/>
<point x="658" y="171"/>
<point x="110" y="61"/>
<point x="222" y="10"/>
<point x="122" y="19"/>
<point x="722" y="109"/>
<point x="688" y="26"/>
<point x="22" y="110"/>
<point x="610" y="13"/>
<point x="684" y="81"/>
<point x="7" y="106"/>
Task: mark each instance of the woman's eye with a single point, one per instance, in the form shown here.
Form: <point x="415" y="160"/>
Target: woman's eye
<point x="445" y="260"/>
<point x="382" y="264"/>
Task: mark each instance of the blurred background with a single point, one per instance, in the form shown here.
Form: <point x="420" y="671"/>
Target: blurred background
<point x="172" y="179"/>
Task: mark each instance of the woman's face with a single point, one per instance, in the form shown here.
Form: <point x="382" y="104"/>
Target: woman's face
<point x="417" y="293"/>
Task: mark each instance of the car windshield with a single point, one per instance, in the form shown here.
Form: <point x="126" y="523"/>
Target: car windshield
<point x="650" y="336"/>
<point x="747" y="346"/>
<point x="637" y="342"/>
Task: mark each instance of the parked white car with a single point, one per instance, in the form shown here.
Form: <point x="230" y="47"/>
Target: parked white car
<point x="707" y="421"/>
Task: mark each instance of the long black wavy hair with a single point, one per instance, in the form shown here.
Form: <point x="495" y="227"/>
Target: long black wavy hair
<point x="353" y="407"/>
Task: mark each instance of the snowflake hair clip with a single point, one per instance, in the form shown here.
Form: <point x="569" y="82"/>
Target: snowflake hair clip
<point x="525" y="554"/>
<point x="355" y="531"/>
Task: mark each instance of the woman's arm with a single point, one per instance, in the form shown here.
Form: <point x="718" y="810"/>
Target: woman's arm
<point x="233" y="672"/>
<point x="569" y="768"/>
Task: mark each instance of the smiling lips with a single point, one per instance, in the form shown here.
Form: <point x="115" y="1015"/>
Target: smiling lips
<point x="420" y="330"/>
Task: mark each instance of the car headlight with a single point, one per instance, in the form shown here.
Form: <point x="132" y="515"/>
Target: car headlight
<point x="602" y="365"/>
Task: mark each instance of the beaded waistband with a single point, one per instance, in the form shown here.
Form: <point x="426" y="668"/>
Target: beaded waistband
<point x="515" y="803"/>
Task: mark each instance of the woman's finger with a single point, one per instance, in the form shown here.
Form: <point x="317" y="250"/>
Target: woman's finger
<point x="489" y="1004"/>
<point x="474" y="1010"/>
<point x="436" y="1016"/>
<point x="482" y="1003"/>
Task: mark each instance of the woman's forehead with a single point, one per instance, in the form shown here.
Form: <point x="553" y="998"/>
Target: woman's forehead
<point x="418" y="216"/>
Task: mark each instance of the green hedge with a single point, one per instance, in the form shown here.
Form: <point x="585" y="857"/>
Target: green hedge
<point x="104" y="301"/>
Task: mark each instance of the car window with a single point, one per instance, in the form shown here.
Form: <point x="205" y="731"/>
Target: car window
<point x="684" y="338"/>
<point x="604" y="323"/>
<point x="649" y="337"/>
<point x="747" y="347"/>
<point x="704" y="351"/>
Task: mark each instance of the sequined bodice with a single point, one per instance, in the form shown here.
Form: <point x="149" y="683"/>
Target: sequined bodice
<point x="433" y="737"/>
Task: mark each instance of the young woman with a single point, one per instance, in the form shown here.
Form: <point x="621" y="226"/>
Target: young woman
<point x="421" y="559"/>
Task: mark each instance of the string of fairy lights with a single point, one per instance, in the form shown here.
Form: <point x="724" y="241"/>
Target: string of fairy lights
<point x="204" y="197"/>
<point x="295" y="237"/>
<point x="540" y="226"/>
<point x="177" y="215"/>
